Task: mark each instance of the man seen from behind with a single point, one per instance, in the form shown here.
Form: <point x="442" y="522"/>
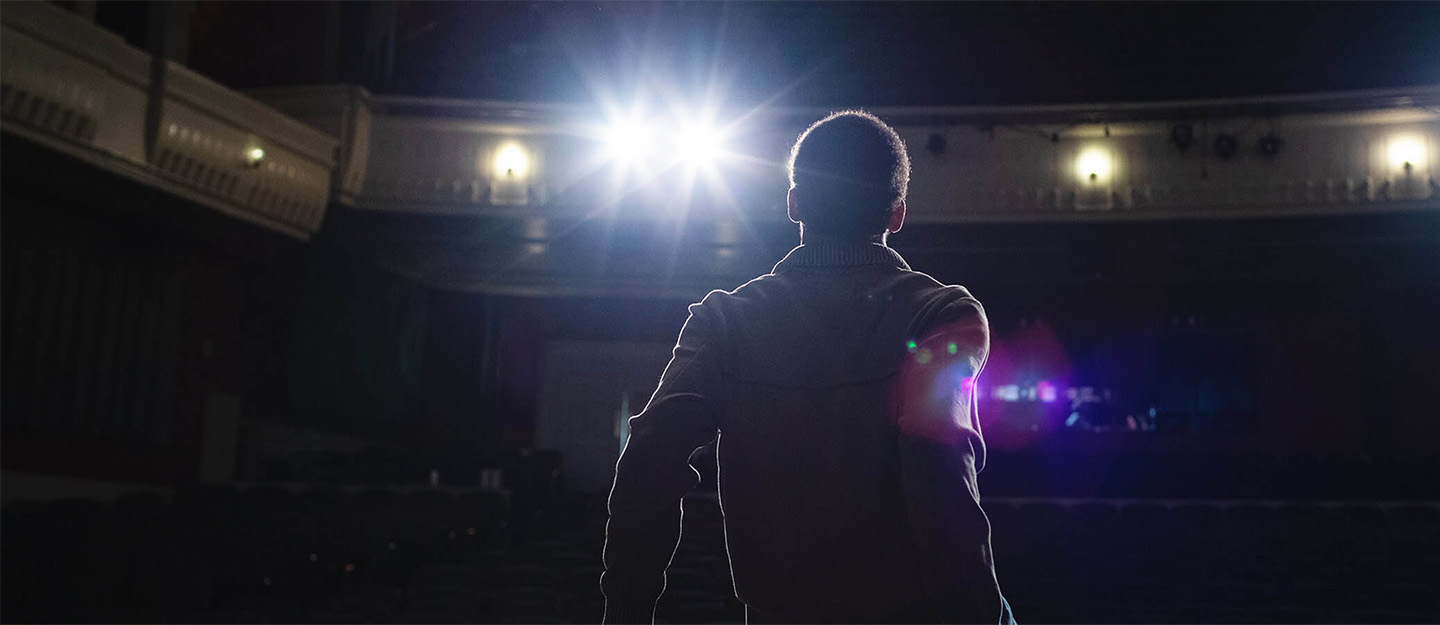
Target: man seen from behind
<point x="841" y="389"/>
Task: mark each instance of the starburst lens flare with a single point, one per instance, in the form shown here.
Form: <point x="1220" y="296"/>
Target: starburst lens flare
<point x="700" y="144"/>
<point x="629" y="143"/>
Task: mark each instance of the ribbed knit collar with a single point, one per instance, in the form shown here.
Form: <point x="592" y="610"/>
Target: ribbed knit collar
<point x="841" y="255"/>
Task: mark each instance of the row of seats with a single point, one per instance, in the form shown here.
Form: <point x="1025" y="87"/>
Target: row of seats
<point x="1230" y="562"/>
<point x="268" y="555"/>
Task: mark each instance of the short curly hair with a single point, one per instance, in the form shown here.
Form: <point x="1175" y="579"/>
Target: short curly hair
<point x="848" y="171"/>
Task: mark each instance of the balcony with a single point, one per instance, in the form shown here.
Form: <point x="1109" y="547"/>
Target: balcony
<point x="80" y="90"/>
<point x="279" y="157"/>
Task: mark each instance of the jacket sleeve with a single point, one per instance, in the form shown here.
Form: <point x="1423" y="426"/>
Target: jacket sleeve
<point x="941" y="453"/>
<point x="654" y="473"/>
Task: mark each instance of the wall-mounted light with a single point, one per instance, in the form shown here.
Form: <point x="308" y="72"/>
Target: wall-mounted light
<point x="1094" y="173"/>
<point x="1093" y="166"/>
<point x="511" y="161"/>
<point x="1406" y="153"/>
<point x="254" y="156"/>
<point x="513" y="165"/>
<point x="1408" y="160"/>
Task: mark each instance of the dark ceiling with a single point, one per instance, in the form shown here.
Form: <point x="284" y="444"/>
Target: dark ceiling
<point x="834" y="54"/>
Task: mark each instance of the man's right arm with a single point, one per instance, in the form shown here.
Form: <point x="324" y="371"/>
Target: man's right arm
<point x="941" y="453"/>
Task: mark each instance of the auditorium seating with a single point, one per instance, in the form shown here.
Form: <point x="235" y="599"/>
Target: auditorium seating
<point x="267" y="554"/>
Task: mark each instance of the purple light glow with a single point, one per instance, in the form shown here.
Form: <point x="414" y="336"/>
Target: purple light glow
<point x="1046" y="391"/>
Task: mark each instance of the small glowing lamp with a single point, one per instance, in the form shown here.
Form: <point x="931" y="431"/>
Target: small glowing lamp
<point x="1406" y="153"/>
<point x="512" y="162"/>
<point x="1093" y="165"/>
<point x="253" y="156"/>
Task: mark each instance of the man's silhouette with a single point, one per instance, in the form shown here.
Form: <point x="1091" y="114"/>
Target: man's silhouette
<point x="841" y="389"/>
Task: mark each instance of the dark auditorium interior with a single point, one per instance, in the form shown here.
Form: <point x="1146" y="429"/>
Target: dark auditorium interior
<point x="334" y="312"/>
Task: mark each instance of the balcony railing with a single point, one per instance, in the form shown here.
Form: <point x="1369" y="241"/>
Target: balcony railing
<point x="1292" y="155"/>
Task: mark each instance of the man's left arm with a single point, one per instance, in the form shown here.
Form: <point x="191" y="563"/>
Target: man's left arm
<point x="941" y="453"/>
<point x="654" y="473"/>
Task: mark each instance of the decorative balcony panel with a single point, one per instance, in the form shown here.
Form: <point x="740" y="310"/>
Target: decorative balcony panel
<point x="78" y="89"/>
<point x="243" y="152"/>
<point x="341" y="111"/>
<point x="1342" y="162"/>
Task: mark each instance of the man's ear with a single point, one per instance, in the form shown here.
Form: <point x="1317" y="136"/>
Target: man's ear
<point x="792" y="207"/>
<point x="897" y="218"/>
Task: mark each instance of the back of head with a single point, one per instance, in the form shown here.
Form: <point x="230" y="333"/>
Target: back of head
<point x="848" y="171"/>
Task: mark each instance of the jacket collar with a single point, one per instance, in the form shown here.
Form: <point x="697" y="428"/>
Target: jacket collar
<point x="841" y="255"/>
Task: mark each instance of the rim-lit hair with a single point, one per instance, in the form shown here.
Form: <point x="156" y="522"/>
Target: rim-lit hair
<point x="849" y="170"/>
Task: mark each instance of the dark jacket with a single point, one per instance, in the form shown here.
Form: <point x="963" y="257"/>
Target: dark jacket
<point x="840" y="389"/>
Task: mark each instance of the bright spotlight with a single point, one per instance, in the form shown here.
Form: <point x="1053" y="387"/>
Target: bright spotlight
<point x="1407" y="153"/>
<point x="700" y="144"/>
<point x="1093" y="165"/>
<point x="512" y="161"/>
<point x="629" y="143"/>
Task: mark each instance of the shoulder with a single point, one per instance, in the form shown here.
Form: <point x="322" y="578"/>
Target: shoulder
<point x="939" y="304"/>
<point x="936" y="289"/>
<point x="950" y="325"/>
<point x="718" y="302"/>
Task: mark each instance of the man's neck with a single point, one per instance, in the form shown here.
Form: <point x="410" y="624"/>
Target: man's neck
<point x="820" y="238"/>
